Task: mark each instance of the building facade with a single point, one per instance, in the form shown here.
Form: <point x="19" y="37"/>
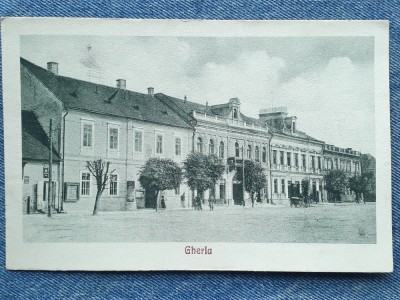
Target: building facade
<point x="126" y="128"/>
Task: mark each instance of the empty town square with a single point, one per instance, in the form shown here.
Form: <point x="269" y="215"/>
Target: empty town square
<point x="321" y="223"/>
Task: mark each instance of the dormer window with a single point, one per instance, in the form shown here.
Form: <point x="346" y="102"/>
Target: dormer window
<point x="235" y="113"/>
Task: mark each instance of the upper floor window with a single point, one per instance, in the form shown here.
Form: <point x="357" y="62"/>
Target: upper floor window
<point x="319" y="163"/>
<point x="237" y="152"/>
<point x="313" y="161"/>
<point x="199" y="145"/>
<point x="178" y="146"/>
<point x="113" y="138"/>
<point x="304" y="160"/>
<point x="221" y="149"/>
<point x="283" y="187"/>
<point x="159" y="144"/>
<point x="274" y="157"/>
<point x="235" y="113"/>
<point x="257" y="153"/>
<point x="87" y="134"/>
<point x="113" y="185"/>
<point x="264" y="155"/>
<point x="138" y="141"/>
<point x="289" y="158"/>
<point x="249" y="152"/>
<point x="211" y="147"/>
<point x="296" y="159"/>
<point x="282" y="158"/>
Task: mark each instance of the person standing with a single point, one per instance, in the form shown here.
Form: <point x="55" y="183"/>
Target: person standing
<point x="183" y="200"/>
<point x="163" y="206"/>
<point x="211" y="202"/>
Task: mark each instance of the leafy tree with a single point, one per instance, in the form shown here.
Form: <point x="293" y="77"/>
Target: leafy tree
<point x="101" y="171"/>
<point x="336" y="182"/>
<point x="255" y="178"/>
<point x="202" y="171"/>
<point x="362" y="184"/>
<point x="160" y="174"/>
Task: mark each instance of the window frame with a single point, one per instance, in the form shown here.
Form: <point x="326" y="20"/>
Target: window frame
<point x="138" y="154"/>
<point x="221" y="149"/>
<point x="159" y="134"/>
<point x="113" y="151"/>
<point x="199" y="144"/>
<point x="180" y="146"/>
<point x="211" y="144"/>
<point x="81" y="185"/>
<point x="237" y="150"/>
<point x="117" y="185"/>
<point x="83" y="123"/>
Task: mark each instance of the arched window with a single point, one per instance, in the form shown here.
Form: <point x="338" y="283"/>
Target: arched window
<point x="257" y="153"/>
<point x="199" y="145"/>
<point x="221" y="149"/>
<point x="211" y="147"/>
<point x="264" y="155"/>
<point x="249" y="152"/>
<point x="237" y="152"/>
<point x="235" y="113"/>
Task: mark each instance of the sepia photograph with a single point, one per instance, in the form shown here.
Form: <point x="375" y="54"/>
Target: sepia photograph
<point x="197" y="139"/>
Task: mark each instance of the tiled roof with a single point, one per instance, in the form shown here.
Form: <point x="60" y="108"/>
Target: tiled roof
<point x="88" y="96"/>
<point x="35" y="142"/>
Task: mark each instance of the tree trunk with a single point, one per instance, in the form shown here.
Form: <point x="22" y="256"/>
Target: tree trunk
<point x="252" y="199"/>
<point x="157" y="200"/>
<point x="96" y="204"/>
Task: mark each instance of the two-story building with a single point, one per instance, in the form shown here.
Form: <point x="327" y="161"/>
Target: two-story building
<point x="295" y="157"/>
<point x="347" y="160"/>
<point x="94" y="121"/>
<point x="225" y="131"/>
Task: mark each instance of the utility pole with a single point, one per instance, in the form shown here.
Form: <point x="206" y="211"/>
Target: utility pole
<point x="50" y="172"/>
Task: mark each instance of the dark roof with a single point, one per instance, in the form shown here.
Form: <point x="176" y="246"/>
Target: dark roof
<point x="35" y="142"/>
<point x="88" y="96"/>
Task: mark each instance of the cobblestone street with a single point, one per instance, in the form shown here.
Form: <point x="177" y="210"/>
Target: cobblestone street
<point x="327" y="223"/>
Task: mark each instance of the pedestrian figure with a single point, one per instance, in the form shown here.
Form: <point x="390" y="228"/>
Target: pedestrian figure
<point x="211" y="202"/>
<point x="163" y="202"/>
<point x="198" y="202"/>
<point x="183" y="200"/>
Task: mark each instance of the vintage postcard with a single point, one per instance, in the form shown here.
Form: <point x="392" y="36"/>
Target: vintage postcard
<point x="197" y="145"/>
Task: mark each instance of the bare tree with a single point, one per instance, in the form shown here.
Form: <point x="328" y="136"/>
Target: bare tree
<point x="101" y="171"/>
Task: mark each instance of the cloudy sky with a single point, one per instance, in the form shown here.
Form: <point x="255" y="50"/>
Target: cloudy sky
<point x="327" y="82"/>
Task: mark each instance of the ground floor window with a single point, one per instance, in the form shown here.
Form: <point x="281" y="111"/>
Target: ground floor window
<point x="276" y="186"/>
<point x="113" y="184"/>
<point x="283" y="187"/>
<point x="85" y="184"/>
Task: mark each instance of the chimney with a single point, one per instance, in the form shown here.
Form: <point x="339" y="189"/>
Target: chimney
<point x="184" y="99"/>
<point x="121" y="84"/>
<point x="52" y="67"/>
<point x="150" y="91"/>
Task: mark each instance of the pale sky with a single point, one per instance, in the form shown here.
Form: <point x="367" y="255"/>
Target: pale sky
<point x="327" y="82"/>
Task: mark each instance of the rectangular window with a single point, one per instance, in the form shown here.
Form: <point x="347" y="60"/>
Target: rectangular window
<point x="312" y="161"/>
<point x="276" y="186"/>
<point x="85" y="184"/>
<point x="283" y="188"/>
<point x="159" y="144"/>
<point x="282" y="158"/>
<point x="274" y="157"/>
<point x="178" y="146"/>
<point x="113" y="138"/>
<point x="138" y="141"/>
<point x="296" y="159"/>
<point x="319" y="163"/>
<point x="87" y="137"/>
<point x="113" y="185"/>
<point x="303" y="160"/>
<point x="289" y="158"/>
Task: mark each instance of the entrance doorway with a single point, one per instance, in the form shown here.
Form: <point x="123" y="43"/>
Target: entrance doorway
<point x="237" y="193"/>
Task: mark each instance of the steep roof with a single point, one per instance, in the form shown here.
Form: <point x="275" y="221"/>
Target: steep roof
<point x="35" y="142"/>
<point x="97" y="98"/>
